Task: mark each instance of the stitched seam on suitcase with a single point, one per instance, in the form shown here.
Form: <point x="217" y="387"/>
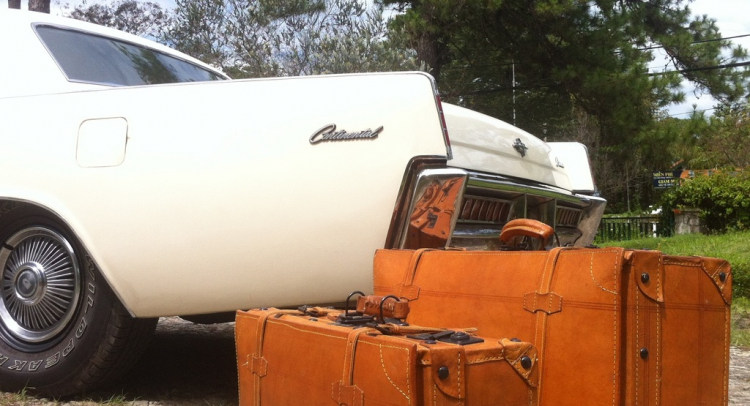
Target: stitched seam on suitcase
<point x="382" y="363"/>
<point x="657" y="386"/>
<point x="727" y="317"/>
<point x="459" y="378"/>
<point x="692" y="264"/>
<point x="637" y="341"/>
<point x="614" y="323"/>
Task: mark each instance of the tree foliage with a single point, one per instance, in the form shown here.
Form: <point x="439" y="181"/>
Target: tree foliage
<point x="283" y="38"/>
<point x="132" y="16"/>
<point x="725" y="139"/>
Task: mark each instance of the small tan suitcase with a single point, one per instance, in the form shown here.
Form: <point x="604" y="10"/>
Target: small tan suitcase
<point x="287" y="358"/>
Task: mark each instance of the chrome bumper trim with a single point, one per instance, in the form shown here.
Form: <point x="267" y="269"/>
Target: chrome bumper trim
<point x="437" y="209"/>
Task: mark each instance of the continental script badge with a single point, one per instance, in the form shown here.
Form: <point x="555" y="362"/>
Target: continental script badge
<point x="329" y="133"/>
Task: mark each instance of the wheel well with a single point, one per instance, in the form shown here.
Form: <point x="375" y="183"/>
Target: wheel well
<point x="9" y="207"/>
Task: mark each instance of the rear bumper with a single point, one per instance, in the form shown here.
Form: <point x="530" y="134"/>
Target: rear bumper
<point x="440" y="206"/>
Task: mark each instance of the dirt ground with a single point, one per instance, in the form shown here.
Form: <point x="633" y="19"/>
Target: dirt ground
<point x="189" y="364"/>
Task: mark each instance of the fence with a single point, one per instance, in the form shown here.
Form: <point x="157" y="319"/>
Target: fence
<point x="631" y="228"/>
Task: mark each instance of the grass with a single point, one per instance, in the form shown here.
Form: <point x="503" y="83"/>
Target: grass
<point x="741" y="322"/>
<point x="23" y="398"/>
<point x="734" y="247"/>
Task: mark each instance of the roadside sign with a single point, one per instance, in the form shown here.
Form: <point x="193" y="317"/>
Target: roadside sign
<point x="663" y="180"/>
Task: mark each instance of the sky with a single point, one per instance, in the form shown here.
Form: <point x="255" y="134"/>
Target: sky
<point x="731" y="16"/>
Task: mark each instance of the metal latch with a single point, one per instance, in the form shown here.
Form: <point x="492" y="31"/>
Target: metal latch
<point x="448" y="336"/>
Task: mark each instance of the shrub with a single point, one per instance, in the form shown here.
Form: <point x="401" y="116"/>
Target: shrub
<point x="722" y="199"/>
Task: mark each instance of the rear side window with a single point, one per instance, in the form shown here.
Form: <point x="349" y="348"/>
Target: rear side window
<point x="95" y="59"/>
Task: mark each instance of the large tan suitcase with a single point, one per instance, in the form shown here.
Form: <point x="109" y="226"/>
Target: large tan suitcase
<point x="612" y="326"/>
<point x="285" y="358"/>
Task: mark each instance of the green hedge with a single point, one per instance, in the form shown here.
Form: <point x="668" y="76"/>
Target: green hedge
<point x="722" y="199"/>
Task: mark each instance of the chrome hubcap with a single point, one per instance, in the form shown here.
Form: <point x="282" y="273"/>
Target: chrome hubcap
<point x="40" y="284"/>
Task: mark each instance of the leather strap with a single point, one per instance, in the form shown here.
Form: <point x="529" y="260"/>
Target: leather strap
<point x="410" y="329"/>
<point x="545" y="285"/>
<point x="344" y="392"/>
<point x="646" y="302"/>
<point x="345" y="395"/>
<point x="453" y="359"/>
<point x="549" y="303"/>
<point x="258" y="365"/>
<point x="407" y="289"/>
<point x="391" y="308"/>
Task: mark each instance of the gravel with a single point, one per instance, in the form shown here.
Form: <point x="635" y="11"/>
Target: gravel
<point x="739" y="376"/>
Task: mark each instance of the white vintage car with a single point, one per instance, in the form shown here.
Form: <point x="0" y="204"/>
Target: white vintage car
<point x="139" y="182"/>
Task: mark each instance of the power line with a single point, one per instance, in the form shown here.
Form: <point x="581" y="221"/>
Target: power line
<point x="698" y="42"/>
<point x="691" y="112"/>
<point x="703" y="68"/>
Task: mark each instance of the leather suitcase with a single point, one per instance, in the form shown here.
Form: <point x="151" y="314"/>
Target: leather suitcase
<point x="285" y="358"/>
<point x="612" y="326"/>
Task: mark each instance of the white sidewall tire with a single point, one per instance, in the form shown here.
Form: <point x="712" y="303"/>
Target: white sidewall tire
<point x="97" y="344"/>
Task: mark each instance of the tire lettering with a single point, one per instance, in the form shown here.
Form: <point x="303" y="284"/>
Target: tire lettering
<point x="34" y="365"/>
<point x="18" y="365"/>
<point x="71" y="346"/>
<point x="92" y="288"/>
<point x="52" y="361"/>
<point x="3" y="359"/>
<point x="90" y="268"/>
<point x="89" y="303"/>
<point x="81" y="328"/>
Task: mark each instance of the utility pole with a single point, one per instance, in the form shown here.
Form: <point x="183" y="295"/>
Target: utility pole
<point x="514" y="91"/>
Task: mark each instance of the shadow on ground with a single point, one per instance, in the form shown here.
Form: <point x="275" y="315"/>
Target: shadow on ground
<point x="185" y="364"/>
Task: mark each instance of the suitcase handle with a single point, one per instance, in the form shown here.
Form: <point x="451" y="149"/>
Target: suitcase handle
<point x="375" y="306"/>
<point x="527" y="228"/>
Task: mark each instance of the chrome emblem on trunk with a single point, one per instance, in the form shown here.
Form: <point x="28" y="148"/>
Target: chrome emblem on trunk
<point x="329" y="133"/>
<point x="520" y="147"/>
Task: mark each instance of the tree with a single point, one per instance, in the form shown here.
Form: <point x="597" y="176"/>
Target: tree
<point x="249" y="38"/>
<point x="135" y="17"/>
<point x="725" y="140"/>
<point x="41" y="6"/>
<point x="34" y="5"/>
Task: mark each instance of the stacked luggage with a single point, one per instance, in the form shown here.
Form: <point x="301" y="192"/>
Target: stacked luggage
<point x="575" y="326"/>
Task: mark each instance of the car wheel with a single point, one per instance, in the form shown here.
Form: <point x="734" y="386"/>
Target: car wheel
<point x="62" y="329"/>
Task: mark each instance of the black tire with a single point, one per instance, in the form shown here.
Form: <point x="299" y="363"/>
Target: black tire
<point x="62" y="329"/>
